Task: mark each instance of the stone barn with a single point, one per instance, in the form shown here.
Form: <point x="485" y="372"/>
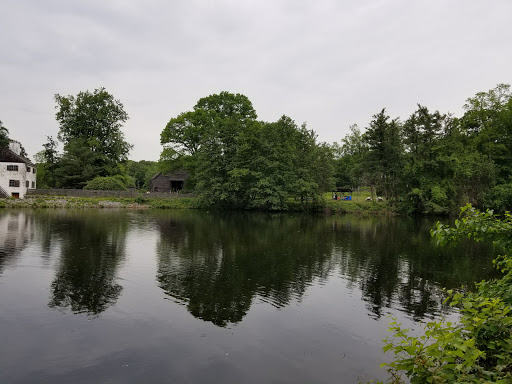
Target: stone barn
<point x="169" y="182"/>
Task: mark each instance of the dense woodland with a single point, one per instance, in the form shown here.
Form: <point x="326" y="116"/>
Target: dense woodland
<point x="239" y="162"/>
<point x="434" y="162"/>
<point x="428" y="163"/>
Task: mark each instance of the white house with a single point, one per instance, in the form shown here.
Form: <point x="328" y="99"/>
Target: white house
<point x="17" y="174"/>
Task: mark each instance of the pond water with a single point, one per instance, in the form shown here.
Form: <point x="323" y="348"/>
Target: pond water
<point x="121" y="296"/>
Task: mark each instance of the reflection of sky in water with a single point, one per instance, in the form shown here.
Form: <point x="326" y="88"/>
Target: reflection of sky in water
<point x="267" y="306"/>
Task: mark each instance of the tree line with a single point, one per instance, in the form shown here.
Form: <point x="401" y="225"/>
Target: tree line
<point x="431" y="162"/>
<point x="435" y="162"/>
<point x="238" y="161"/>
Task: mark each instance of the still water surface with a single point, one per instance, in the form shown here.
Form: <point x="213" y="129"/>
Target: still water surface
<point x="118" y="296"/>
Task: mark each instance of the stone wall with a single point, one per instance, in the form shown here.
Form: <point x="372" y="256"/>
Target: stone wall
<point x="92" y="193"/>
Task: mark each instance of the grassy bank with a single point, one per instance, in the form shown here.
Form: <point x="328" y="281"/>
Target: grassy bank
<point x="357" y="206"/>
<point x="100" y="202"/>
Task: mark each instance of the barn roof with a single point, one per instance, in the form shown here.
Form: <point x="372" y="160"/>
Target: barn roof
<point x="178" y="175"/>
<point x="154" y="177"/>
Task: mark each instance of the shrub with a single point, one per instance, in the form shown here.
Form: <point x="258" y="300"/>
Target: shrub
<point x="105" y="184"/>
<point x="499" y="198"/>
<point x="141" y="200"/>
<point x="477" y="349"/>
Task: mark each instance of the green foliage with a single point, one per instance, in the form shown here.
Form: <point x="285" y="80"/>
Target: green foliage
<point x="47" y="163"/>
<point x="499" y="198"/>
<point x="106" y="184"/>
<point x="348" y="163"/>
<point x="94" y="145"/>
<point x="141" y="200"/>
<point x="141" y="172"/>
<point x="4" y="136"/>
<point x="42" y="176"/>
<point x="488" y="122"/>
<point x="182" y="203"/>
<point x="235" y="161"/>
<point x="97" y="118"/>
<point x="478" y="348"/>
<point x="433" y="163"/>
<point x="78" y="165"/>
<point x="384" y="158"/>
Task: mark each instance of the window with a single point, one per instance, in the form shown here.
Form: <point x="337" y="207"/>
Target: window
<point x="28" y="169"/>
<point x="14" y="183"/>
<point x="33" y="184"/>
<point x="27" y="183"/>
<point x="12" y="168"/>
<point x="33" y="170"/>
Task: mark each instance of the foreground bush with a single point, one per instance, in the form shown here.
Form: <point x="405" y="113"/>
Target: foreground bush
<point x="105" y="184"/>
<point x="477" y="349"/>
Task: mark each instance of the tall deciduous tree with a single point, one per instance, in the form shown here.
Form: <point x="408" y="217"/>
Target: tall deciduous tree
<point x="223" y="172"/>
<point x="92" y="120"/>
<point x="48" y="161"/>
<point x="488" y="121"/>
<point x="349" y="159"/>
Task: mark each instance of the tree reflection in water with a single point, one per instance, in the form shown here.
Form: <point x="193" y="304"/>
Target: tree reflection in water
<point x="217" y="264"/>
<point x="396" y="264"/>
<point x="92" y="246"/>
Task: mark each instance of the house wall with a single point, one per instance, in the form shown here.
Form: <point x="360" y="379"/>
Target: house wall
<point x="21" y="175"/>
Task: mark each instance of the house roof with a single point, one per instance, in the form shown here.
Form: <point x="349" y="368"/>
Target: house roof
<point x="8" y="156"/>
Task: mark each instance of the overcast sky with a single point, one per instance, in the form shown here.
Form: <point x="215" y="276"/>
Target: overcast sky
<point x="329" y="63"/>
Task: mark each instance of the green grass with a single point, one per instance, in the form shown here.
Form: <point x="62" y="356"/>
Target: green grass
<point x="358" y="204"/>
<point x="182" y="203"/>
<point x="101" y="202"/>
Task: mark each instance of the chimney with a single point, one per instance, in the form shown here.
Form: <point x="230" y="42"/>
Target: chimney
<point x="15" y="146"/>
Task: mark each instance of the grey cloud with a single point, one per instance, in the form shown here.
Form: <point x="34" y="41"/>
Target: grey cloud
<point x="331" y="63"/>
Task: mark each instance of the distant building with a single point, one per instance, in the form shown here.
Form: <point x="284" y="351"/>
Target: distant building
<point x="169" y="182"/>
<point x="17" y="174"/>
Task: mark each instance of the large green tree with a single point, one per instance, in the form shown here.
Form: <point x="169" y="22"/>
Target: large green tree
<point x="92" y="121"/>
<point x="47" y="162"/>
<point x="384" y="159"/>
<point x="426" y="185"/>
<point x="488" y="121"/>
<point x="184" y="134"/>
<point x="349" y="156"/>
<point x="236" y="161"/>
<point x="78" y="165"/>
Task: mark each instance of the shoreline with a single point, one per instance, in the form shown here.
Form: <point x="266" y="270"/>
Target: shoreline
<point x="329" y="207"/>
